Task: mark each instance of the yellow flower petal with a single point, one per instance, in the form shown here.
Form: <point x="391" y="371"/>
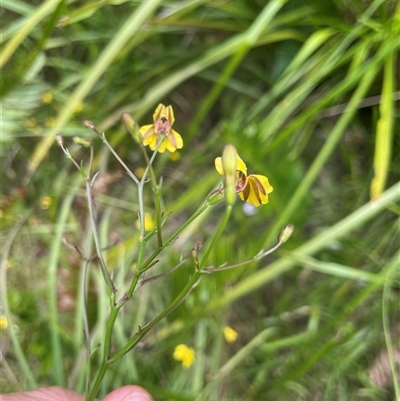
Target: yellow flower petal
<point x="164" y="112"/>
<point x="162" y="147"/>
<point x="158" y="111"/>
<point x="256" y="190"/>
<point x="147" y="131"/>
<point x="241" y="165"/>
<point x="153" y="143"/>
<point x="230" y="334"/>
<point x="3" y="322"/>
<point x="148" y="222"/>
<point x="218" y="165"/>
<point x="184" y="354"/>
<point x="149" y="136"/>
<point x="173" y="141"/>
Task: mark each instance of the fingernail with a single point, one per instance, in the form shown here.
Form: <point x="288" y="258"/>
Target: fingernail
<point x="137" y="396"/>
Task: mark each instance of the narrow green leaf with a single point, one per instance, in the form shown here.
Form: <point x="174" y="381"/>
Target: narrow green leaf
<point x="384" y="130"/>
<point x="29" y="25"/>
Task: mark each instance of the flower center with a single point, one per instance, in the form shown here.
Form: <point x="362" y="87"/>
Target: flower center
<point x="163" y="126"/>
<point x="242" y="182"/>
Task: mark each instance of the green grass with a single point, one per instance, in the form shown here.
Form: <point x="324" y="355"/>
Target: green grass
<point x="308" y="93"/>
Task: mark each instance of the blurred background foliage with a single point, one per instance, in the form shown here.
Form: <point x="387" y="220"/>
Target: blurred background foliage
<point x="308" y="93"/>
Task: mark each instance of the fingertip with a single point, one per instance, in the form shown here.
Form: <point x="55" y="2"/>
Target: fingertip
<point x="128" y="393"/>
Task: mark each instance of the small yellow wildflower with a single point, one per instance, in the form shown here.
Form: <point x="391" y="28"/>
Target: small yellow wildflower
<point x="45" y="202"/>
<point x="3" y="322"/>
<point x="184" y="354"/>
<point x="47" y="98"/>
<point x="230" y="334"/>
<point x="50" y="122"/>
<point x="162" y="130"/>
<point x="148" y="222"/>
<point x="78" y="107"/>
<point x="253" y="189"/>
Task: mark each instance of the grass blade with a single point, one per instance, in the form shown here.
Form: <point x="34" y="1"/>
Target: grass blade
<point x="384" y="130"/>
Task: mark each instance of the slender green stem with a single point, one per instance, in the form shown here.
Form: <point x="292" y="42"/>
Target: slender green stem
<point x="148" y="263"/>
<point x="102" y="136"/>
<point x="96" y="238"/>
<point x="143" y="242"/>
<point x="106" y="353"/>
<point x="261" y="255"/>
<point x="139" y="270"/>
<point x="386" y="330"/>
<point x="173" y="236"/>
<point x="144" y="330"/>
<point x="99" y="377"/>
<point x="83" y="297"/>
<point x="132" y="287"/>
<point x="157" y="195"/>
<point x="194" y="216"/>
<point x="214" y="241"/>
<point x="107" y="359"/>
<point x="157" y="198"/>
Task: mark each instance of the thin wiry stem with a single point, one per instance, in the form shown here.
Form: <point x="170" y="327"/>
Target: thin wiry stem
<point x="215" y="239"/>
<point x="96" y="238"/>
<point x="102" y="136"/>
<point x="260" y="255"/>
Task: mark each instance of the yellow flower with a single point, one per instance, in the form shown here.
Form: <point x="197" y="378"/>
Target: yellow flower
<point x="162" y="130"/>
<point x="3" y="322"/>
<point x="230" y="334"/>
<point x="47" y="98"/>
<point x="45" y="202"/>
<point x="148" y="222"/>
<point x="184" y="354"/>
<point x="253" y="189"/>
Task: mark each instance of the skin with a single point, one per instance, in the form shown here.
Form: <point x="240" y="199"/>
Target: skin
<point x="126" y="393"/>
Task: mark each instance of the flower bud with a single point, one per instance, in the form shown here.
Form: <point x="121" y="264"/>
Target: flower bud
<point x="87" y="143"/>
<point x="89" y="124"/>
<point x="229" y="164"/>
<point x="131" y="126"/>
<point x="215" y="197"/>
<point x="285" y="233"/>
<point x="60" y="140"/>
